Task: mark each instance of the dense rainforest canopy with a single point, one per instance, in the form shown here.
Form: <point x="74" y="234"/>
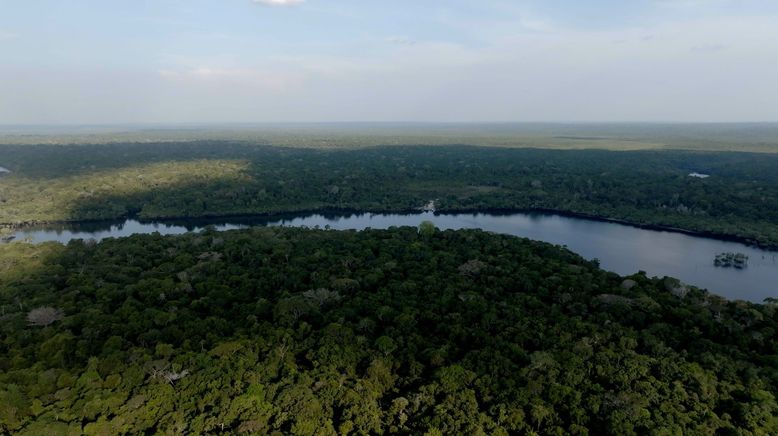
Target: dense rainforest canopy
<point x="209" y="178"/>
<point x="410" y="331"/>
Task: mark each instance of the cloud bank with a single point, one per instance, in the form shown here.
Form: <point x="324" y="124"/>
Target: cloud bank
<point x="371" y="61"/>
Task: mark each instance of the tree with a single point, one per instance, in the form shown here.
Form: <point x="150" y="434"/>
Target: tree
<point x="43" y="316"/>
<point x="322" y="296"/>
<point x="385" y="345"/>
<point x="427" y="229"/>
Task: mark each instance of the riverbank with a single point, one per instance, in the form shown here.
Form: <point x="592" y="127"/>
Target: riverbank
<point x="620" y="248"/>
<point x="11" y="228"/>
<point x="184" y="181"/>
<point x="772" y="246"/>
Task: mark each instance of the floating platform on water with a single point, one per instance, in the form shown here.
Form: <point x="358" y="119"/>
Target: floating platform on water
<point x="734" y="260"/>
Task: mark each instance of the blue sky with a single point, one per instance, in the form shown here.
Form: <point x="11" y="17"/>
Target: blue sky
<point x="88" y="61"/>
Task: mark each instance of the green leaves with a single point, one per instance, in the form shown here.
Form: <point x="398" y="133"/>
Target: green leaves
<point x="385" y="345"/>
<point x="427" y="229"/>
<point x="319" y="332"/>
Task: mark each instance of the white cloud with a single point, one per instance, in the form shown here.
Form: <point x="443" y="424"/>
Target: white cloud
<point x="257" y="78"/>
<point x="399" y="40"/>
<point x="279" y="2"/>
<point x="7" y="36"/>
<point x="517" y="66"/>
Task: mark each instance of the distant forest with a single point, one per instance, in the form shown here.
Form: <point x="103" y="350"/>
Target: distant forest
<point x="218" y="178"/>
<point x="751" y="137"/>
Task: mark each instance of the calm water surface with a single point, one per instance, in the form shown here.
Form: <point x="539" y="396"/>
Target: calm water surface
<point x="620" y="248"/>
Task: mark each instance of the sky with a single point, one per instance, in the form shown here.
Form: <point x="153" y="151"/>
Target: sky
<point x="199" y="61"/>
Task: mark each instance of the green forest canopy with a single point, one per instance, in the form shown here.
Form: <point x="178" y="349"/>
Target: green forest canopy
<point x="298" y="331"/>
<point x="217" y="178"/>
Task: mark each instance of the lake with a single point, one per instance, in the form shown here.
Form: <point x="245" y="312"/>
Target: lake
<point x="620" y="248"/>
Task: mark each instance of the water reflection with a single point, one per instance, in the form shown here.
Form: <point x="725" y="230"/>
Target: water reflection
<point x="620" y="248"/>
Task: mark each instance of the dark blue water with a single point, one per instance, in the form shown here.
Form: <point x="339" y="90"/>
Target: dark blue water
<point x="620" y="248"/>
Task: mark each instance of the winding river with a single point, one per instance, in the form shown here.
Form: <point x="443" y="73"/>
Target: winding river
<point x="620" y="248"/>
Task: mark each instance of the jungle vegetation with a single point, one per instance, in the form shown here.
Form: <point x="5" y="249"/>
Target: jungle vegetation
<point x="751" y="137"/>
<point x="399" y="331"/>
<point x="219" y="178"/>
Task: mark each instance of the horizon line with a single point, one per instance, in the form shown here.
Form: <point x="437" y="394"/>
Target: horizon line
<point x="420" y="123"/>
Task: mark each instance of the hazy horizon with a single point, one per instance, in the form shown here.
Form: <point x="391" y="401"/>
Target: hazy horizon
<point x="311" y="61"/>
<point x="374" y="123"/>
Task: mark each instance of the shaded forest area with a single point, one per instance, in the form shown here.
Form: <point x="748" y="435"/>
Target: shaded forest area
<point x="409" y="331"/>
<point x="87" y="182"/>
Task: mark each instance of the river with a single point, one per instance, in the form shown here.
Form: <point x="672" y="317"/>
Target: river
<point x="620" y="248"/>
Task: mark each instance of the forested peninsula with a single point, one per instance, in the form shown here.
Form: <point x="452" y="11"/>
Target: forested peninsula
<point x="406" y="330"/>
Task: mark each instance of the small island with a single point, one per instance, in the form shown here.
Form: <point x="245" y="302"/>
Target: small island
<point x="726" y="260"/>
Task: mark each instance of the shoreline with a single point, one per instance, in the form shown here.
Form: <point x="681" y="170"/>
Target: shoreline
<point x="10" y="228"/>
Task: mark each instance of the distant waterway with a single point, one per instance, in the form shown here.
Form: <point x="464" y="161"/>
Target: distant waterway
<point x="620" y="248"/>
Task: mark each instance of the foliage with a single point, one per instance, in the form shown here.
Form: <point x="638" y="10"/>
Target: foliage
<point x="43" y="316"/>
<point x="56" y="183"/>
<point x="296" y="331"/>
